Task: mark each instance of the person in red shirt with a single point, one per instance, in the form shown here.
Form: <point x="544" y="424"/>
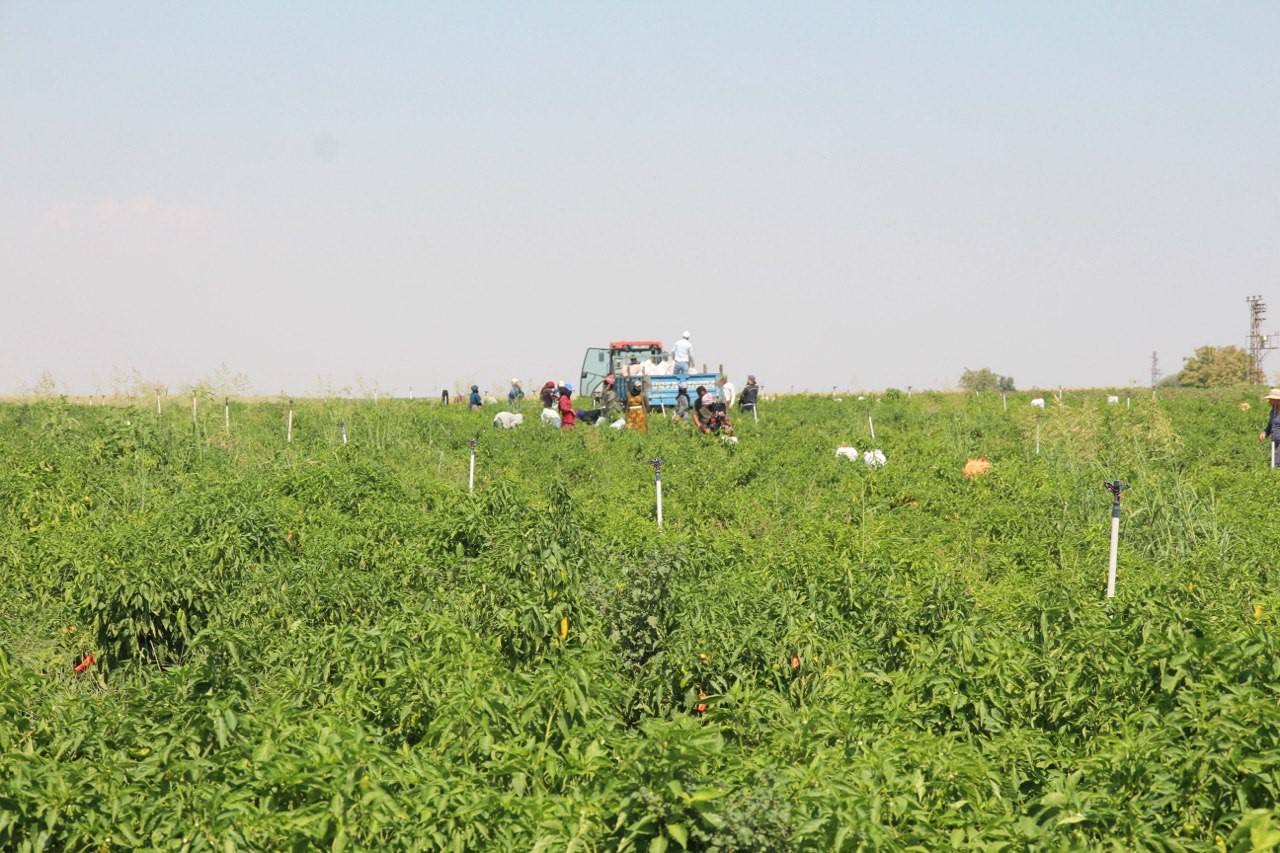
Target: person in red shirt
<point x="566" y="406"/>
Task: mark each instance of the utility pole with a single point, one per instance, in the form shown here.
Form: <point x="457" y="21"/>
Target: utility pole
<point x="1259" y="342"/>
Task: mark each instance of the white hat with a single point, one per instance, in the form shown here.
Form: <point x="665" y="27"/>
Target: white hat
<point x="515" y="381"/>
<point x="685" y="335"/>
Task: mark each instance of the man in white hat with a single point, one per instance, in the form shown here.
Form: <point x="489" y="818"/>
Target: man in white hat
<point x="515" y="396"/>
<point x="682" y="355"/>
<point x="1273" y="426"/>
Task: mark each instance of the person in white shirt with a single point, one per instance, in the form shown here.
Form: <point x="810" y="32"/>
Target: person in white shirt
<point x="727" y="392"/>
<point x="682" y="354"/>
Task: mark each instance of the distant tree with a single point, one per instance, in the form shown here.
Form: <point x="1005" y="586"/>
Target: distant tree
<point x="985" y="380"/>
<point x="1214" y="366"/>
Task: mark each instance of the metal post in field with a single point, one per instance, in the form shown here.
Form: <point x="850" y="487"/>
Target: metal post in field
<point x="1004" y="398"/>
<point x="288" y="436"/>
<point x="872" y="425"/>
<point x="1115" y="487"/>
<point x="657" y="475"/>
<point x="342" y="425"/>
<point x="471" y="481"/>
<point x="226" y="413"/>
<point x="193" y="408"/>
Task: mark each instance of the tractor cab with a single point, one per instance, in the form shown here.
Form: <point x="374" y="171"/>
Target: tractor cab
<point x="622" y="359"/>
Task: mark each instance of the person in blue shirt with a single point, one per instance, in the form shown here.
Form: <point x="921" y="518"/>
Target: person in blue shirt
<point x="475" y="402"/>
<point x="1273" y="426"/>
<point x="515" y="396"/>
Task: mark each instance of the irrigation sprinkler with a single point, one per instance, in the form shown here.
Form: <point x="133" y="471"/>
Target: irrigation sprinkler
<point x="471" y="481"/>
<point x="1115" y="487"/>
<point x="193" y="410"/>
<point x="342" y="426"/>
<point x="1037" y="435"/>
<point x="657" y="479"/>
<point x="410" y="392"/>
<point x="1004" y="398"/>
<point x="871" y="424"/>
<point x="226" y="413"/>
<point x="158" y="412"/>
<point x="288" y="436"/>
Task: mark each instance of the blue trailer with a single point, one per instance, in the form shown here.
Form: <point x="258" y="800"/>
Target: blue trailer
<point x="627" y="360"/>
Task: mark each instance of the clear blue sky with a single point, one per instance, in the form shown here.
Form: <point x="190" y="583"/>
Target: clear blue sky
<point x="863" y="195"/>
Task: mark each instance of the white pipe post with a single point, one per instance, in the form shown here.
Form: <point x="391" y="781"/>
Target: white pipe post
<point x="410" y="392"/>
<point x="1004" y="398"/>
<point x="873" y="427"/>
<point x="1115" y="488"/>
<point x="342" y="425"/>
<point x="471" y="481"/>
<point x="1037" y="436"/>
<point x="158" y="403"/>
<point x="288" y="436"/>
<point x="1111" y="566"/>
<point x="226" y="413"/>
<point x="193" y="409"/>
<point x="657" y="475"/>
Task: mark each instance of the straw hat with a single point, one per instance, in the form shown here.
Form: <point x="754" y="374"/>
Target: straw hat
<point x="1274" y="395"/>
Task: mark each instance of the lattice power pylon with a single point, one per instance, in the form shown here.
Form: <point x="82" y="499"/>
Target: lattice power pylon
<point x="1259" y="341"/>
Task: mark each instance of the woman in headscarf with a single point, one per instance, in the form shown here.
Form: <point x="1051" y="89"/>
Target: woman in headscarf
<point x="548" y="395"/>
<point x="637" y="408"/>
<point x="682" y="404"/>
<point x="566" y="406"/>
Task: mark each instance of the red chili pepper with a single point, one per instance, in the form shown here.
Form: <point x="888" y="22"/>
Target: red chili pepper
<point x="84" y="664"/>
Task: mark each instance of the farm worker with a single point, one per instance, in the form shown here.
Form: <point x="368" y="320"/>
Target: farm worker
<point x="1273" y="426"/>
<point x="609" y="397"/>
<point x="750" y="392"/>
<point x="566" y="406"/>
<point x="548" y="395"/>
<point x="682" y="403"/>
<point x="711" y="416"/>
<point x="633" y="368"/>
<point x="699" y="412"/>
<point x="637" y="408"/>
<point x="475" y="402"/>
<point x="719" y="421"/>
<point x="444" y="396"/>
<point x="515" y="396"/>
<point x="727" y="392"/>
<point x="682" y="354"/>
